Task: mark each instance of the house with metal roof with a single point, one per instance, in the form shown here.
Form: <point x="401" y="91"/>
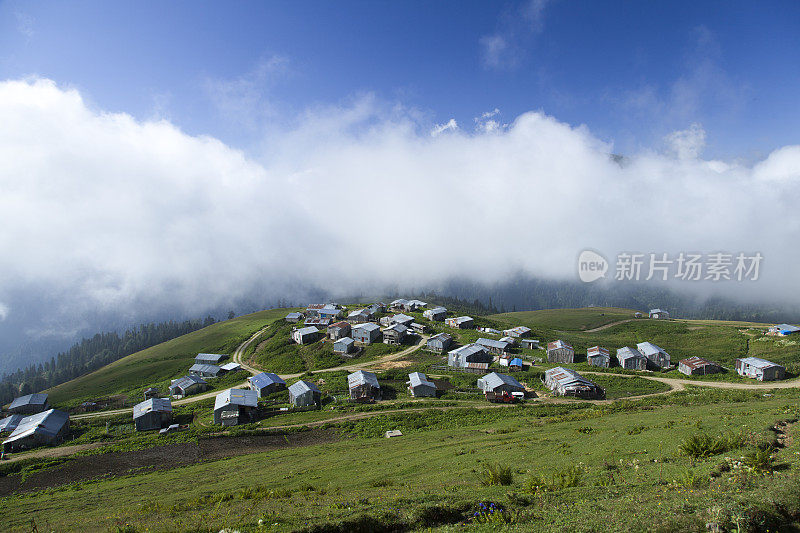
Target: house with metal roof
<point x="29" y="404"/>
<point x="697" y="366"/>
<point x="266" y="383"/>
<point x="304" y="394"/>
<point x="657" y="357"/>
<point x="495" y="382"/>
<point x="402" y="319"/>
<point x="437" y="314"/>
<point x="659" y="314"/>
<point x="360" y="316"/>
<point x="235" y="406"/>
<point x="631" y="359"/>
<point x="531" y="344"/>
<point x="45" y="428"/>
<point x="329" y="311"/>
<point x="151" y="392"/>
<point x="420" y="386"/>
<point x="566" y="382"/>
<point x="518" y="332"/>
<point x="204" y="371"/>
<point x="305" y="335"/>
<point x="344" y="345"/>
<point x="366" y="333"/>
<point x="210" y="358"/>
<point x="460" y="322"/>
<point x="400" y="303"/>
<point x="186" y="386"/>
<point x="598" y="356"/>
<point x="294" y="317"/>
<point x="10" y="423"/>
<point x="468" y="355"/>
<point x="782" y="330"/>
<point x="151" y="414"/>
<point x="230" y="367"/>
<point x="560" y="352"/>
<point x="338" y="330"/>
<point x="439" y="342"/>
<point x="760" y="369"/>
<point x="363" y="386"/>
<point x="494" y="346"/>
<point x="413" y="305"/>
<point x="395" y="334"/>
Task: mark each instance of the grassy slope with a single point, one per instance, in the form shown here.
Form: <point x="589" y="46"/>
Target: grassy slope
<point x="164" y="361"/>
<point x="567" y="319"/>
<point x="439" y="462"/>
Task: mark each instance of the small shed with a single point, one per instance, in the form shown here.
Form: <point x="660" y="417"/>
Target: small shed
<point x="760" y="369"/>
<point x="395" y="334"/>
<point x="363" y="386"/>
<point x="151" y="392"/>
<point x="45" y="428"/>
<point x="235" y="406"/>
<point x="517" y="332"/>
<point x="493" y="346"/>
<point x="495" y="382"/>
<point x="656" y="356"/>
<point x="420" y="386"/>
<point x="304" y="394"/>
<point x="338" y="330"/>
<point x="305" y="335"/>
<point x="631" y="359"/>
<point x="560" y="352"/>
<point x="30" y="404"/>
<point x="294" y="317"/>
<point x="210" y="358"/>
<point x="266" y="383"/>
<point x="204" y="371"/>
<point x="187" y="385"/>
<point x="565" y="382"/>
<point x="460" y="322"/>
<point x="659" y="314"/>
<point x="531" y="344"/>
<point x="598" y="356"/>
<point x="151" y="414"/>
<point x="437" y="314"/>
<point x="439" y="342"/>
<point x="344" y="345"/>
<point x="366" y="333"/>
<point x="230" y="367"/>
<point x="697" y="366"/>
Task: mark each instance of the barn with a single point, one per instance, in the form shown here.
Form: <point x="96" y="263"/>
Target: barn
<point x="30" y="404"/>
<point x="560" y="352"/>
<point x="304" y="394"/>
<point x="363" y="386"/>
<point x="45" y="428"/>
<point x="187" y="385"/>
<point x="697" y="366"/>
<point x="631" y="359"/>
<point x="439" y="342"/>
<point x="760" y="369"/>
<point x="565" y="382"/>
<point x="151" y="414"/>
<point x="235" y="406"/>
<point x="420" y="386"/>
<point x="598" y="356"/>
<point x="656" y="356"/>
<point x="266" y="383"/>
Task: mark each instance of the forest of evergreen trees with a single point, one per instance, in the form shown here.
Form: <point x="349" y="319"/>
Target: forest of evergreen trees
<point x="90" y="354"/>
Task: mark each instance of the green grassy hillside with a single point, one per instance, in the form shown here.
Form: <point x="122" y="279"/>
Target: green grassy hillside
<point x="162" y="362"/>
<point x="567" y="319"/>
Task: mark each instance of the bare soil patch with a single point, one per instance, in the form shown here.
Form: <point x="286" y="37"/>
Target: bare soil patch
<point x="112" y="464"/>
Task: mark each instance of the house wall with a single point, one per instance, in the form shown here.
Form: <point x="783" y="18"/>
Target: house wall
<point x="561" y="355"/>
<point x="600" y="361"/>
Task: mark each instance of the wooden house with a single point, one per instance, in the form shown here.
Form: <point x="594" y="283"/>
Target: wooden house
<point x="152" y="414"/>
<point x="560" y="352"/>
<point x="363" y="386"/>
<point x="598" y="356"/>
<point x="697" y="366"/>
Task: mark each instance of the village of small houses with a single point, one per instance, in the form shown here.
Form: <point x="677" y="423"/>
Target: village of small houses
<point x="521" y="421"/>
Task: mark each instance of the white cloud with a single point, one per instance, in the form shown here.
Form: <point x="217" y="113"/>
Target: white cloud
<point x="450" y="125"/>
<point x="688" y="143"/>
<point x="504" y="48"/>
<point x="119" y="214"/>
<point x="4" y="310"/>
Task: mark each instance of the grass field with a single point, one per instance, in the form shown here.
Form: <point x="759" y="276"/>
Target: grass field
<point x="568" y="467"/>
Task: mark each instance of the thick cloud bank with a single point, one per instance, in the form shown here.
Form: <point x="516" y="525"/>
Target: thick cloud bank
<point x="108" y="212"/>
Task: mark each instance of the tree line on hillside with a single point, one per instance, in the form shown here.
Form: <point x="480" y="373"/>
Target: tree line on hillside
<point x="92" y="353"/>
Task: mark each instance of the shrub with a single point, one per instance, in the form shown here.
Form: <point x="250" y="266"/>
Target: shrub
<point x="690" y="480"/>
<point x="701" y="445"/>
<point x="497" y="474"/>
<point x="760" y="460"/>
<point x="489" y="513"/>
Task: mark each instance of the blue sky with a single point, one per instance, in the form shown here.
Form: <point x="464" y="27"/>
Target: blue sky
<point x="631" y="71"/>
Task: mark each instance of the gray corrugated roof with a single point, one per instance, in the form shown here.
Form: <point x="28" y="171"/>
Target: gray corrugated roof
<point x="369" y="326"/>
<point x="758" y="362"/>
<point x="491" y="343"/>
<point x="307" y="331"/>
<point x="31" y="399"/>
<point x="205" y="369"/>
<point x="626" y="353"/>
<point x="440" y="336"/>
<point x="344" y="340"/>
<point x="467" y="350"/>
<point x="216" y="357"/>
<point x="243" y="397"/>
<point x="153" y="404"/>
<point x="265" y="379"/>
<point x="565" y="376"/>
<point x="362" y="377"/>
<point x="294" y="314"/>
<point x="46" y="423"/>
<point x="648" y="348"/>
<point x="301" y="387"/>
<point x="416" y="379"/>
<point x="494" y="380"/>
<point x="10" y="423"/>
<point x="400" y="328"/>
